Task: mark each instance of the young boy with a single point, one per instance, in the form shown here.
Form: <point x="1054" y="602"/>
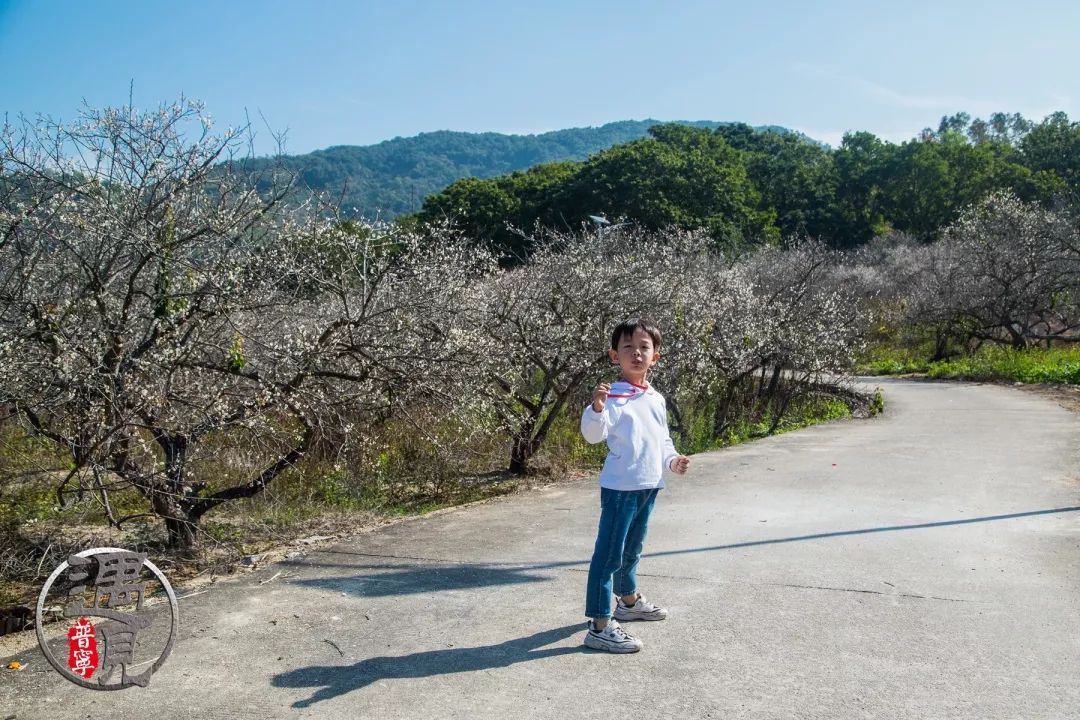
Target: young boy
<point x="632" y="417"/>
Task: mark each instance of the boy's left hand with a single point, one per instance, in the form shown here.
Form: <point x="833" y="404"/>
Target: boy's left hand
<point x="680" y="464"/>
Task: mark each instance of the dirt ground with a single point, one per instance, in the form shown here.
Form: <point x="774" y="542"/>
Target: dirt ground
<point x="1067" y="396"/>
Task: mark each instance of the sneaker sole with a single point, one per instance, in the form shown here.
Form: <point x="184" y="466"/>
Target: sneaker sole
<point x="618" y="648"/>
<point x="636" y="616"/>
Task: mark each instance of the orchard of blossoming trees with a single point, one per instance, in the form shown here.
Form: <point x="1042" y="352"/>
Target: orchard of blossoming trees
<point x="151" y="303"/>
<point x="1006" y="272"/>
<point x="174" y="332"/>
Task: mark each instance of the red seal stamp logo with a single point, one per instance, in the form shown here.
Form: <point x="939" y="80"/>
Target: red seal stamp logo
<point x="82" y="648"/>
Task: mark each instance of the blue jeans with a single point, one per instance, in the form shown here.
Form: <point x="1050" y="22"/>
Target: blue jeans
<point x="624" y="520"/>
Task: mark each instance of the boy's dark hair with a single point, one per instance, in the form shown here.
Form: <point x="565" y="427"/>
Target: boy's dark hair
<point x="628" y="327"/>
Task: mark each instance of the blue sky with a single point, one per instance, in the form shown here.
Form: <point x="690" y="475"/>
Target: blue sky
<point x="337" y="72"/>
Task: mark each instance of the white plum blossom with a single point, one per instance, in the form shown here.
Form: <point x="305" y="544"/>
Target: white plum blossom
<point x="153" y="303"/>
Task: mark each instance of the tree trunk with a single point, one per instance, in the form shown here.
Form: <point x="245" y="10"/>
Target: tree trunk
<point x="181" y="523"/>
<point x="529" y="438"/>
<point x="523" y="448"/>
<point x="941" y="341"/>
<point x="1019" y="342"/>
<point x="720" y="417"/>
<point x="174" y="501"/>
<point x="783" y="409"/>
<point x="774" y="381"/>
<point x="677" y="416"/>
<point x="183" y="533"/>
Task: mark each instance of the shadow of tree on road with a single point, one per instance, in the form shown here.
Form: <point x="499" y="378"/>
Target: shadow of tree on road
<point x="421" y="579"/>
<point x="866" y="531"/>
<point x="438" y="575"/>
<point x="335" y="680"/>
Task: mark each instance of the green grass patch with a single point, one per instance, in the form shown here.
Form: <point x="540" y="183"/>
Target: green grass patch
<point x="989" y="363"/>
<point x="888" y="360"/>
<point x="1034" y="365"/>
<point x="877" y="402"/>
<point x="802" y="412"/>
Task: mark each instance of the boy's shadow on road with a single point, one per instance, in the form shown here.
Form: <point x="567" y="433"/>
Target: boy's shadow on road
<point x="335" y="680"/>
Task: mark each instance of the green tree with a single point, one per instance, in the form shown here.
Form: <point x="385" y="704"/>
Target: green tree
<point x="930" y="181"/>
<point x="680" y="176"/>
<point x="535" y="190"/>
<point x="480" y="209"/>
<point x="794" y="176"/>
<point x="860" y="165"/>
<point x="1009" y="128"/>
<point x="1053" y="146"/>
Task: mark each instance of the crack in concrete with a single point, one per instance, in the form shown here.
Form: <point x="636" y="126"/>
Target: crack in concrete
<point x="793" y="585"/>
<point x="866" y="592"/>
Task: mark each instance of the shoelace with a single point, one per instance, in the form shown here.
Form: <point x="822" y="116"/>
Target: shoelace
<point x="617" y="630"/>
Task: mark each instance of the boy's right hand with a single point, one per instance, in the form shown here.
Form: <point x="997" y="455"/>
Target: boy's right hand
<point x="599" y="396"/>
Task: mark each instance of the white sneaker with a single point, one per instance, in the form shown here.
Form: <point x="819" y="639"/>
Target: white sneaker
<point x="641" y="610"/>
<point x="611" y="639"/>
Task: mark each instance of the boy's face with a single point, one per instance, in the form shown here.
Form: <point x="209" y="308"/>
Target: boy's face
<point x="635" y="355"/>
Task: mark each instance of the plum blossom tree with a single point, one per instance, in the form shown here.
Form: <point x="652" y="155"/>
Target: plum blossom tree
<point x="817" y="324"/>
<point x="816" y="327"/>
<point x="716" y="332"/>
<point x="152" y="303"/>
<point x="552" y="319"/>
<point x="1012" y="272"/>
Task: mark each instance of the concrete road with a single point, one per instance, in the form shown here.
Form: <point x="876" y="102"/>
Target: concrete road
<point x="925" y="564"/>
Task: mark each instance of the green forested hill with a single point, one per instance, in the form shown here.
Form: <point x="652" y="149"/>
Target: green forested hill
<point x="393" y="177"/>
<point x="744" y="186"/>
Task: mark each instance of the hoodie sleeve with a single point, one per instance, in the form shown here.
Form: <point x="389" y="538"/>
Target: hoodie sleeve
<point x="595" y="425"/>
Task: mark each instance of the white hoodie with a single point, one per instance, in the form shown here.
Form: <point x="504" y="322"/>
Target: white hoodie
<point x="639" y="444"/>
